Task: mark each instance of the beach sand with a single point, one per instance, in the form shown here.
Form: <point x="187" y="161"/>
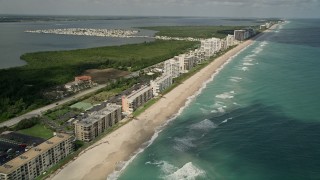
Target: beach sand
<point x="103" y="158"/>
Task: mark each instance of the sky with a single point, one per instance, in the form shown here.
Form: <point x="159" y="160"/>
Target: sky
<point x="208" y="8"/>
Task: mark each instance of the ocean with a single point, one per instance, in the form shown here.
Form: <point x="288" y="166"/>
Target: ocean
<point x="14" y="41"/>
<point x="258" y="118"/>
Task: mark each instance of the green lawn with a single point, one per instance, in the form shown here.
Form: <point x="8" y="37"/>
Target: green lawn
<point x="194" y="31"/>
<point x="38" y="130"/>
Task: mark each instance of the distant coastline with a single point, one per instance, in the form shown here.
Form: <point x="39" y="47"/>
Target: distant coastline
<point x="106" y="158"/>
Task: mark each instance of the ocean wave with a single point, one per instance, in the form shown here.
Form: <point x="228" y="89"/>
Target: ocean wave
<point x="264" y="43"/>
<point x="257" y="50"/>
<point x="248" y="64"/>
<point x="248" y="59"/>
<point x="187" y="172"/>
<point x="203" y="125"/>
<point x="226" y="120"/>
<point x="204" y="111"/>
<point x="235" y="79"/>
<point x="226" y="95"/>
<point x="183" y="144"/>
<point x="244" y="68"/>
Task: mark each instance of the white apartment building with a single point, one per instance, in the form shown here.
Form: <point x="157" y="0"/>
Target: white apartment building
<point x="136" y="99"/>
<point x="230" y="40"/>
<point x="171" y="67"/>
<point x="180" y="60"/>
<point x="189" y="61"/>
<point x="161" y="83"/>
<point x="210" y="46"/>
<point x="37" y="160"/>
<point x="199" y="55"/>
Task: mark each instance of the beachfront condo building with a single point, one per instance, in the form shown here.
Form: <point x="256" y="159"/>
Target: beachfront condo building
<point x="239" y="35"/>
<point x="136" y="99"/>
<point x="230" y="40"/>
<point x="37" y="160"/>
<point x="161" y="83"/>
<point x="97" y="122"/>
<point x="180" y="60"/>
<point x="171" y="67"/>
<point x="199" y="55"/>
<point x="210" y="46"/>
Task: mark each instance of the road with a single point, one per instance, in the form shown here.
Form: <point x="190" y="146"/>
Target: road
<point x="38" y="112"/>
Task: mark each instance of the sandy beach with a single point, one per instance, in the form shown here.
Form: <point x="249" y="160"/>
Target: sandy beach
<point x="103" y="159"/>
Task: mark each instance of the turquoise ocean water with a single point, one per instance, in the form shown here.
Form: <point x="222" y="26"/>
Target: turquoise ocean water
<point x="259" y="119"/>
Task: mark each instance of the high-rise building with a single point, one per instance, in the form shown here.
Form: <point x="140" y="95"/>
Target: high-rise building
<point x="97" y="122"/>
<point x="161" y="83"/>
<point x="136" y="99"/>
<point x="239" y="35"/>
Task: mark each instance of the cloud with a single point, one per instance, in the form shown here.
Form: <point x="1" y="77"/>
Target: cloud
<point x="242" y="8"/>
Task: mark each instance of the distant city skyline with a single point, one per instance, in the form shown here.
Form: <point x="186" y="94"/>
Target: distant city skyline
<point x="210" y="8"/>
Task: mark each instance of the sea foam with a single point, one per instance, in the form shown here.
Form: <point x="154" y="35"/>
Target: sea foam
<point x="203" y="125"/>
<point x="183" y="144"/>
<point x="226" y="95"/>
<point x="187" y="172"/>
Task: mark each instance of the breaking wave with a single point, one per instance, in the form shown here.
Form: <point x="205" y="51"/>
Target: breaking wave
<point x="226" y="95"/>
<point x="187" y="172"/>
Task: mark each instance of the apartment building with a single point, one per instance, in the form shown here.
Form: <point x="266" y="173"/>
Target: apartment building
<point x="230" y="40"/>
<point x="171" y="66"/>
<point x="161" y="83"/>
<point x="180" y="61"/>
<point x="199" y="55"/>
<point x="97" y="122"/>
<point x="210" y="46"/>
<point x="136" y="99"/>
<point x="37" y="160"/>
<point x="239" y="35"/>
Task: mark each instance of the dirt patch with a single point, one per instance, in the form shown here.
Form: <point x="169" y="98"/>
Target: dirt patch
<point x="102" y="76"/>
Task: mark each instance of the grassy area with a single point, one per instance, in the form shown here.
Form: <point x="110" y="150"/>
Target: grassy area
<point x="22" y="87"/>
<point x="57" y="113"/>
<point x="98" y="98"/>
<point x="38" y="130"/>
<point x="194" y="31"/>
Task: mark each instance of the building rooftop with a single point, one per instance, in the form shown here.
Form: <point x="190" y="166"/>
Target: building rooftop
<point x="97" y="115"/>
<point x="24" y="158"/>
<point x="162" y="78"/>
<point x="135" y="94"/>
<point x="83" y="78"/>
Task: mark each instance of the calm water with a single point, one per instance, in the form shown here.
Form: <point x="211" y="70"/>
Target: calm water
<point x="258" y="119"/>
<point x="14" y="41"/>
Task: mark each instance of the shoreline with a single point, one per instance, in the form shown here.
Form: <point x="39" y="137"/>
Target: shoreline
<point x="111" y="153"/>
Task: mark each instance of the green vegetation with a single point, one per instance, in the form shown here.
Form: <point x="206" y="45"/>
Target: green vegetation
<point x="194" y="31"/>
<point x="38" y="130"/>
<point x="98" y="98"/>
<point x="58" y="113"/>
<point x="26" y="123"/>
<point x="82" y="106"/>
<point x="22" y="88"/>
